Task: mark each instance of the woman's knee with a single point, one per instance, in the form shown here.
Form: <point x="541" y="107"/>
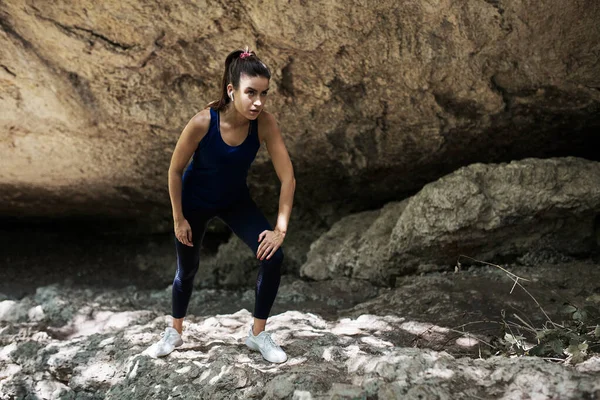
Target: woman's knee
<point x="275" y="261"/>
<point x="186" y="274"/>
<point x="188" y="261"/>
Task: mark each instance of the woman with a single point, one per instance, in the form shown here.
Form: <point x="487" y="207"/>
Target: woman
<point x="223" y="140"/>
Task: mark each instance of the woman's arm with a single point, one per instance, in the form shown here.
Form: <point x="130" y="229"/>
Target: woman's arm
<point x="285" y="173"/>
<point x="192" y="134"/>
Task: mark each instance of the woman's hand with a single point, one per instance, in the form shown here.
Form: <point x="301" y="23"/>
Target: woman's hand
<point x="183" y="232"/>
<point x="270" y="241"/>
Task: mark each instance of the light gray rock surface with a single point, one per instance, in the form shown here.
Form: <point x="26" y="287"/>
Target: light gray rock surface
<point x="345" y="339"/>
<point x="354" y="246"/>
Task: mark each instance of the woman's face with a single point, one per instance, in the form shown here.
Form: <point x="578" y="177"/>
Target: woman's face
<point x="251" y="96"/>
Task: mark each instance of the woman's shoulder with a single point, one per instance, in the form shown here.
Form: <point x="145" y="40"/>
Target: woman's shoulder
<point x="265" y="116"/>
<point x="266" y="120"/>
<point x="202" y="119"/>
<point x="267" y="125"/>
<point x="198" y="126"/>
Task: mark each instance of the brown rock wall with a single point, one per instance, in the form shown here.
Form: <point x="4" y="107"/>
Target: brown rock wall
<point x="374" y="100"/>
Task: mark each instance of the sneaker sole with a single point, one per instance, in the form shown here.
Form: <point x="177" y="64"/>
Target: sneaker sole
<point x="254" y="347"/>
<point x="149" y="353"/>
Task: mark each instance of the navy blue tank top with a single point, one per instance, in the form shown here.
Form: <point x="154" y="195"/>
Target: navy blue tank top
<point x="216" y="177"/>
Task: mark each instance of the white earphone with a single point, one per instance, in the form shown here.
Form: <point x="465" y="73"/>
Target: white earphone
<point x="231" y="95"/>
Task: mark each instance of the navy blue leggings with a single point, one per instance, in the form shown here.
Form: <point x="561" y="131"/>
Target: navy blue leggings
<point x="247" y="222"/>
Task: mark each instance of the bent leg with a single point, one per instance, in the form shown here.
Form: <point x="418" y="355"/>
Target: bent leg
<point x="188" y="261"/>
<point x="247" y="222"/>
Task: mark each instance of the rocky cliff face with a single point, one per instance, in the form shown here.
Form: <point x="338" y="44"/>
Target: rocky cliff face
<point x="374" y="101"/>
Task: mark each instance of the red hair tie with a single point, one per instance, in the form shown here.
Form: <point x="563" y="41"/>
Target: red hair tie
<point x="245" y="54"/>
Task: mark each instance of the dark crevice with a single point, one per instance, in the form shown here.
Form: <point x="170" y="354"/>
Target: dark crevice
<point x="342" y="51"/>
<point x="158" y="40"/>
<point x="496" y="5"/>
<point x="83" y="89"/>
<point x="158" y="45"/>
<point x="350" y="95"/>
<point x="147" y="59"/>
<point x="286" y="87"/>
<point x="112" y="43"/>
<point x="77" y="31"/>
<point x="219" y="26"/>
<point x="459" y="108"/>
<point x="8" y="70"/>
<point x="382" y="121"/>
<point x="501" y="91"/>
<point x="6" y="27"/>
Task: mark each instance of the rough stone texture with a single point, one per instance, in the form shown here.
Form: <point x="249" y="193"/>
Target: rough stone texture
<point x="482" y="211"/>
<point x="336" y="349"/>
<point x="354" y="245"/>
<point x="503" y="210"/>
<point x="374" y="100"/>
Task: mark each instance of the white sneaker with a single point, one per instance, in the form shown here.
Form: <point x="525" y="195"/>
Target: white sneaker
<point x="170" y="339"/>
<point x="267" y="347"/>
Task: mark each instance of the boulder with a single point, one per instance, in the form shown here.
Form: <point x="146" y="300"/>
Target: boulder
<point x="485" y="211"/>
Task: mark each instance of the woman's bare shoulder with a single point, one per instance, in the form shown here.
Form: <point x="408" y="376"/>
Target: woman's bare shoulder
<point x="201" y="119"/>
<point x="198" y="125"/>
<point x="266" y="122"/>
<point x="267" y="126"/>
<point x="266" y="118"/>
